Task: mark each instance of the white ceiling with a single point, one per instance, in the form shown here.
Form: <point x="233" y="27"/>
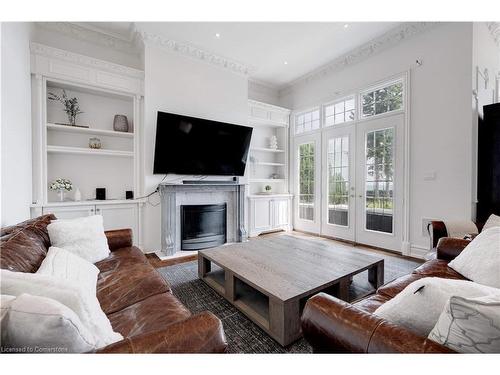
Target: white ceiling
<point x="264" y="46"/>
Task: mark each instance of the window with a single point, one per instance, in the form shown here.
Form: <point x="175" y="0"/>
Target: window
<point x="338" y="180"/>
<point x="382" y="100"/>
<point x="379" y="180"/>
<point x="307" y="121"/>
<point x="306" y="181"/>
<point x="339" y="112"/>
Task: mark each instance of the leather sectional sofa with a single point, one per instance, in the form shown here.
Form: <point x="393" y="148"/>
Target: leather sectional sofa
<point x="331" y="325"/>
<point x="137" y="300"/>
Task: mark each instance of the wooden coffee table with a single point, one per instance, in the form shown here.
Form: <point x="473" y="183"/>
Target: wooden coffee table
<point x="269" y="279"/>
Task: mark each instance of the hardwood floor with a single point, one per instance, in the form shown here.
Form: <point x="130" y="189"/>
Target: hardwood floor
<point x="158" y="263"/>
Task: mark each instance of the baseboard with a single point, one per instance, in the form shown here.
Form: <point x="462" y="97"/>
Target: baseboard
<point x="417" y="251"/>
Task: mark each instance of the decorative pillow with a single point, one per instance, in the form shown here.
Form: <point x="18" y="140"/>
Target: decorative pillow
<point x="493" y="221"/>
<point x="82" y="236"/>
<point x="64" y="265"/>
<point x="84" y="304"/>
<point x="42" y="325"/>
<point x="480" y="260"/>
<point x="418" y="306"/>
<point x="469" y="325"/>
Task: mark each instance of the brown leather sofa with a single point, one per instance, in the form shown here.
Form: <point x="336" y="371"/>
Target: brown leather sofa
<point x="136" y="299"/>
<point x="331" y="325"/>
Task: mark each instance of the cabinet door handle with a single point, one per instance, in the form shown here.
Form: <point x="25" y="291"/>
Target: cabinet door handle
<point x="98" y="210"/>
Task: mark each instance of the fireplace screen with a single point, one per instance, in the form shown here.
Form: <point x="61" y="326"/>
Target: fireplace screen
<point x="203" y="226"/>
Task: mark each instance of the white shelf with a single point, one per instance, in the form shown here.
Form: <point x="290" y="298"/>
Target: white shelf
<point x="265" y="122"/>
<point x="267" y="180"/>
<point x="91" y="202"/>
<point x="88" y="151"/>
<point x="75" y="129"/>
<point x="263" y="149"/>
<point x="272" y="195"/>
<point x="269" y="163"/>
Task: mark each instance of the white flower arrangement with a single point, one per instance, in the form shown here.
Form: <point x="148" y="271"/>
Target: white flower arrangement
<point x="61" y="184"/>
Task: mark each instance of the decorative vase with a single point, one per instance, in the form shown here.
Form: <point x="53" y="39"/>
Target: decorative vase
<point x="72" y="119"/>
<point x="61" y="195"/>
<point x="273" y="142"/>
<point x="120" y="123"/>
<point x="78" y="195"/>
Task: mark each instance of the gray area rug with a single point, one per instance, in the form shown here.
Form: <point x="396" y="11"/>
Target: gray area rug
<point x="242" y="335"/>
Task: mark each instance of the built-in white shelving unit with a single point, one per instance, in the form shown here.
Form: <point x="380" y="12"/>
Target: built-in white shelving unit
<point x="103" y="90"/>
<point x="268" y="166"/>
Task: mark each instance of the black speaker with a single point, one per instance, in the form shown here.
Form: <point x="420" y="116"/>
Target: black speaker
<point x="100" y="194"/>
<point x="129" y="194"/>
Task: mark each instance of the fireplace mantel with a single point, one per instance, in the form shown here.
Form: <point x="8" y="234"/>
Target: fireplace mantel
<point x="233" y="194"/>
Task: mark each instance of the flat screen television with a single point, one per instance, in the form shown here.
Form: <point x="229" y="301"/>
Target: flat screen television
<point x="195" y="146"/>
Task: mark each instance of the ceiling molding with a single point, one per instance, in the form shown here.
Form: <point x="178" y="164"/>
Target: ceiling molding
<point x="44" y="50"/>
<point x="363" y="52"/>
<point x="195" y="52"/>
<point x="92" y="35"/>
<point x="494" y="28"/>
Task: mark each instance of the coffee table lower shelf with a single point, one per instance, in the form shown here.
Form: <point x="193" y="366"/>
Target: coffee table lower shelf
<point x="280" y="319"/>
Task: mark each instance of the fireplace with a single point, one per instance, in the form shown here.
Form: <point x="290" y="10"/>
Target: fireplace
<point x="203" y="226"/>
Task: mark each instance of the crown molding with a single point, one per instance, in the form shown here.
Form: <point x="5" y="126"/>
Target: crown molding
<point x="363" y="52"/>
<point x="494" y="28"/>
<point x="56" y="53"/>
<point x="194" y="52"/>
<point x="91" y="35"/>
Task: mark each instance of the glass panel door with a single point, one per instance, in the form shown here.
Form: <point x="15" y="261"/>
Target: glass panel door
<point x="307" y="181"/>
<point x="379" y="183"/>
<point x="338" y="193"/>
<point x="379" y="190"/>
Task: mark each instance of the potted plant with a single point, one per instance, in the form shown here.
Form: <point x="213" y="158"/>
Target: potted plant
<point x="71" y="106"/>
<point x="268" y="188"/>
<point x="61" y="185"/>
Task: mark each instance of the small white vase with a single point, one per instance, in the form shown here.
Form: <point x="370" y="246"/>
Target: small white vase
<point x="78" y="195"/>
<point x="61" y="195"/>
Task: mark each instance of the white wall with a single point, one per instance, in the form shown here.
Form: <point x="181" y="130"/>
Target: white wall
<point x="16" y="123"/>
<point x="440" y="116"/>
<point x="180" y="84"/>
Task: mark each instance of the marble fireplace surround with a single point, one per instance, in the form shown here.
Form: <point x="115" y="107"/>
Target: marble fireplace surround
<point x="173" y="196"/>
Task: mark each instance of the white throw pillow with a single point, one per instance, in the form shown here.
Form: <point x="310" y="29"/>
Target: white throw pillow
<point x="469" y="325"/>
<point x="65" y="265"/>
<point x="83" y="236"/>
<point x="70" y="294"/>
<point x="418" y="306"/>
<point x="493" y="221"/>
<point x="34" y="324"/>
<point x="480" y="260"/>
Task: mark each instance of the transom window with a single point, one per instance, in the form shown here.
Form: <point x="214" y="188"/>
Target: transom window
<point x="340" y="112"/>
<point x="307" y="121"/>
<point x="382" y="100"/>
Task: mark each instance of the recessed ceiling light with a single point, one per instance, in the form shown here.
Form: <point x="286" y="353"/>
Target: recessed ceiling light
<point x="346" y="25"/>
<point x="285" y="62"/>
<point x="217" y="35"/>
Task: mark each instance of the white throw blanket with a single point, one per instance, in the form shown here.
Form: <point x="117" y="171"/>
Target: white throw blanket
<point x="460" y="228"/>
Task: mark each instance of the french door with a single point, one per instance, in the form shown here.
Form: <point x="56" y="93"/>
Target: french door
<point x="349" y="182"/>
<point x="307" y="181"/>
<point x="380" y="182"/>
<point x="338" y="198"/>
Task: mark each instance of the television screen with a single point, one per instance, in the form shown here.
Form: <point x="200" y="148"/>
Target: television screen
<point x="195" y="146"/>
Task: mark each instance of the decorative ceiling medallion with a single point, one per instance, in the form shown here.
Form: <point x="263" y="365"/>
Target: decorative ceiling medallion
<point x="88" y="35"/>
<point x="389" y="39"/>
<point x="43" y="50"/>
<point x="494" y="28"/>
<point x="195" y="52"/>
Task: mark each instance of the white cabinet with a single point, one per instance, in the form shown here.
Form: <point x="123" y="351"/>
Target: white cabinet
<point x="71" y="212"/>
<point x="115" y="216"/>
<point x="118" y="216"/>
<point x="269" y="213"/>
